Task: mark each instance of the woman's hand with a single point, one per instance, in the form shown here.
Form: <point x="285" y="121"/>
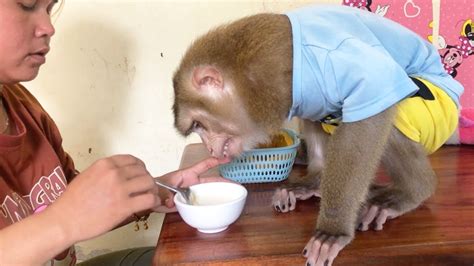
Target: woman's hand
<point x="104" y="195"/>
<point x="185" y="178"/>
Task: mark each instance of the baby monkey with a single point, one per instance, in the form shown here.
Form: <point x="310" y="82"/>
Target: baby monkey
<point x="370" y="93"/>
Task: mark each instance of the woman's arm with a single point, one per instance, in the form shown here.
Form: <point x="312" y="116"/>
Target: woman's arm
<point x="95" y="202"/>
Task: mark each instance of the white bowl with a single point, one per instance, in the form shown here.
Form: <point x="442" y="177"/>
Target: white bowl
<point x="215" y="206"/>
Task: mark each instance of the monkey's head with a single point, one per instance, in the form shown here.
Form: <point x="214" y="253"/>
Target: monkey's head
<point x="233" y="86"/>
<point x="207" y="103"/>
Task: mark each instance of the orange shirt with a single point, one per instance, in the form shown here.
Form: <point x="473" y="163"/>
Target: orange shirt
<point x="34" y="169"/>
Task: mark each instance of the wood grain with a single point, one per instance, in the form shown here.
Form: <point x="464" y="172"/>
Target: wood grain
<point x="440" y="232"/>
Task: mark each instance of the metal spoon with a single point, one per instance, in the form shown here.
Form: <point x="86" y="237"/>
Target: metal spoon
<point x="185" y="192"/>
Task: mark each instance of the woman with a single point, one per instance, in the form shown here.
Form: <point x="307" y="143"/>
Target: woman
<point x="38" y="177"/>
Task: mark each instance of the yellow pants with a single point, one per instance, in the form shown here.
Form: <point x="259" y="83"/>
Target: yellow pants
<point x="429" y="122"/>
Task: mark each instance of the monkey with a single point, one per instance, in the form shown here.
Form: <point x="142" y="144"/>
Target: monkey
<point x="369" y="92"/>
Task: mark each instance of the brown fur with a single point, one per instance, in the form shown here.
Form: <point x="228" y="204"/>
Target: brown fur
<point x="353" y="154"/>
<point x="413" y="179"/>
<point x="256" y="48"/>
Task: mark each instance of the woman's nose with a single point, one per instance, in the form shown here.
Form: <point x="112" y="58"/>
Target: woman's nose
<point x="44" y="27"/>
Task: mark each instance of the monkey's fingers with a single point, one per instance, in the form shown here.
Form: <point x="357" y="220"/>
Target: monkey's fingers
<point x="292" y="201"/>
<point x="322" y="249"/>
<point x="308" y="247"/>
<point x="283" y="201"/>
<point x="304" y="194"/>
<point x="384" y="215"/>
<point x="277" y="200"/>
<point x="369" y="217"/>
<point x="381" y="219"/>
<point x="378" y="216"/>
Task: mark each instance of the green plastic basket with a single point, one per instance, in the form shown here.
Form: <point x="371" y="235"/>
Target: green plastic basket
<point x="262" y="165"/>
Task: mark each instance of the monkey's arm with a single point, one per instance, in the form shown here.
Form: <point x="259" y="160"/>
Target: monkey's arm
<point x="352" y="156"/>
<point x="285" y="197"/>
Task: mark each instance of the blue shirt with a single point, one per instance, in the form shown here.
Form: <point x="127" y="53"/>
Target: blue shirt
<point x="354" y="62"/>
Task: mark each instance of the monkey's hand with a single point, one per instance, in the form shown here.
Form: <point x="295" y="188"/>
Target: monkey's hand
<point x="376" y="215"/>
<point x="322" y="248"/>
<point x="284" y="199"/>
<point x="384" y="203"/>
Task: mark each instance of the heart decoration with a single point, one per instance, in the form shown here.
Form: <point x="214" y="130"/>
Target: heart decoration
<point x="411" y="10"/>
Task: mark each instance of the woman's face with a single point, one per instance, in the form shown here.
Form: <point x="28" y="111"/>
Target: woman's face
<point x="25" y="32"/>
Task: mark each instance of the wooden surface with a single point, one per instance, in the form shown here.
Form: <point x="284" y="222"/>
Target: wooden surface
<point x="440" y="232"/>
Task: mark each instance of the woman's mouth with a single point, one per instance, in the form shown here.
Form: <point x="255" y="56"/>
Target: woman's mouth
<point x="39" y="56"/>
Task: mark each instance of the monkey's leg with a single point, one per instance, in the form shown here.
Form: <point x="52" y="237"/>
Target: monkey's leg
<point x="413" y="181"/>
<point x="284" y="199"/>
<point x="352" y="157"/>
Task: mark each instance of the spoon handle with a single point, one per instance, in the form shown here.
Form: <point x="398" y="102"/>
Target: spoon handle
<point x="166" y="186"/>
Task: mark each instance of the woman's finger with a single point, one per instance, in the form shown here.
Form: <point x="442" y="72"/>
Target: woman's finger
<point x="121" y="160"/>
<point x="215" y="179"/>
<point x="144" y="201"/>
<point x="140" y="184"/>
<point x="201" y="167"/>
<point x="164" y="209"/>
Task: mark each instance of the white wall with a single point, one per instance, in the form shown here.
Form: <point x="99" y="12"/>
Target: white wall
<point x="107" y="80"/>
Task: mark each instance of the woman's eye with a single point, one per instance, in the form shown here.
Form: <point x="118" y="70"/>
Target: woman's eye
<point x="51" y="6"/>
<point x="27" y="7"/>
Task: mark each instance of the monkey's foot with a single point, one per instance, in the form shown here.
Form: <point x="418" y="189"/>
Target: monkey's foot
<point x="376" y="215"/>
<point x="323" y="248"/>
<point x="284" y="199"/>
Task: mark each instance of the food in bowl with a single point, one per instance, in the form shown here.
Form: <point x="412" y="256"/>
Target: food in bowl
<point x="214" y="206"/>
<point x="281" y="139"/>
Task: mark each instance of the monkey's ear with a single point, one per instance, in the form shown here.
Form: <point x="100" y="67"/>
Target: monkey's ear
<point x="207" y="78"/>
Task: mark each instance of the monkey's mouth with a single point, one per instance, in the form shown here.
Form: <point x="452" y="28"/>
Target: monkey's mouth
<point x="225" y="152"/>
<point x="231" y="148"/>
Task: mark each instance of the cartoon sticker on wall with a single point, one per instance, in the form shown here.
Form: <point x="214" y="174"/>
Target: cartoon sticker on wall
<point x="367" y="5"/>
<point x="414" y="14"/>
<point x="453" y="55"/>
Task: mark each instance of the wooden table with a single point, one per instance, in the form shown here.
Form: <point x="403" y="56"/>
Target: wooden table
<point x="440" y="232"/>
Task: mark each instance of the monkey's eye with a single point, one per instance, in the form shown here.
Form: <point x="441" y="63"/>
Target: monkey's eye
<point x="195" y="126"/>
